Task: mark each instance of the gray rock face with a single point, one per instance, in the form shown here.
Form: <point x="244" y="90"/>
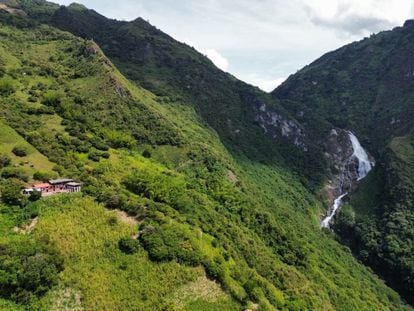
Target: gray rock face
<point x="343" y="165"/>
<point x="277" y="125"/>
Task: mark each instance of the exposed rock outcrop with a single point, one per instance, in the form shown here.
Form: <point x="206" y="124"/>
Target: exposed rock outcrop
<point x="277" y="125"/>
<point x="343" y="164"/>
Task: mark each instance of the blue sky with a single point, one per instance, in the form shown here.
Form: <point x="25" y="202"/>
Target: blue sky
<point x="261" y="41"/>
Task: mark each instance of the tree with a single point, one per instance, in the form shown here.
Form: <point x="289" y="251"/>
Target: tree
<point x="7" y="86"/>
<point x="4" y="160"/>
<point x="35" y="196"/>
<point x="128" y="245"/>
<point x="20" y="151"/>
<point x="146" y="154"/>
<point x="11" y="192"/>
<point x="44" y="175"/>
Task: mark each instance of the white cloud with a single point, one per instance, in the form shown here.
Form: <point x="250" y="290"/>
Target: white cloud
<point x="264" y="84"/>
<point x="219" y="60"/>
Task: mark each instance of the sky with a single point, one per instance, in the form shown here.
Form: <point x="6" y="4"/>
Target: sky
<point x="262" y="42"/>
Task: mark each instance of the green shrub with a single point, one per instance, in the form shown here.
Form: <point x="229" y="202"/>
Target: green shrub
<point x="129" y="245"/>
<point x="20" y="151"/>
<point x="14" y="172"/>
<point x="11" y="192"/>
<point x="4" y="160"/>
<point x="44" y="176"/>
<point x="52" y="98"/>
<point x="7" y="86"/>
<point x="171" y="242"/>
<point x="35" y="196"/>
<point x="146" y="153"/>
<point x="94" y="155"/>
<point x="28" y="269"/>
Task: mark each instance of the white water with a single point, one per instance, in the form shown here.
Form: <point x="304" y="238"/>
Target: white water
<point x="364" y="164"/>
<point x="364" y="167"/>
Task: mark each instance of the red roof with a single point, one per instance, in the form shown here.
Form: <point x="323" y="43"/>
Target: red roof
<point x="42" y="185"/>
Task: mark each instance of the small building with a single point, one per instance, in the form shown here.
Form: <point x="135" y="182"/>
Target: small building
<point x="73" y="186"/>
<point x="54" y="187"/>
<point x="46" y="189"/>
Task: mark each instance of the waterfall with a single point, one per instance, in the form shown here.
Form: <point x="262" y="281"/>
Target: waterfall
<point x="337" y="204"/>
<point x="364" y="164"/>
<point x="364" y="167"/>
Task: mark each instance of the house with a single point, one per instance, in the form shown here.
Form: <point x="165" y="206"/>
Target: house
<point x="46" y="189"/>
<point x="54" y="187"/>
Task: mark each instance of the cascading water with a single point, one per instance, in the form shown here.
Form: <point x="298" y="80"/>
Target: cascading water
<point x="364" y="167"/>
<point x="364" y="164"/>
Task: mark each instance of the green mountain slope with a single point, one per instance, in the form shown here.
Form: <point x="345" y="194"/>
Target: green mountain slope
<point x="367" y="87"/>
<point x="208" y="227"/>
<point x="239" y="113"/>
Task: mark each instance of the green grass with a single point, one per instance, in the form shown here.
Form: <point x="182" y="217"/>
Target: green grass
<point x="34" y="161"/>
<point x="106" y="278"/>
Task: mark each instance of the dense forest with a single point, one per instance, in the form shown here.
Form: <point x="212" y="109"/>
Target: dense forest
<point x="367" y="87"/>
<point x="187" y="203"/>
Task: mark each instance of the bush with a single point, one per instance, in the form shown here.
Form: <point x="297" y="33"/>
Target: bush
<point x="13" y="172"/>
<point x="44" y="176"/>
<point x="20" y="151"/>
<point x="11" y="192"/>
<point x="146" y="154"/>
<point x="171" y="242"/>
<point x="52" y="98"/>
<point x="94" y="155"/>
<point x="35" y="196"/>
<point x="7" y="86"/>
<point x="29" y="269"/>
<point x="128" y="245"/>
<point x="4" y="160"/>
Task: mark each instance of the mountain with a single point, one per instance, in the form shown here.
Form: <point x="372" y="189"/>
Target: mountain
<point x="367" y="87"/>
<point x="200" y="192"/>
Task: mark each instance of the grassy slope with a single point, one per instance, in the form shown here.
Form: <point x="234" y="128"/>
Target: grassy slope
<point x="33" y="162"/>
<point x="258" y="236"/>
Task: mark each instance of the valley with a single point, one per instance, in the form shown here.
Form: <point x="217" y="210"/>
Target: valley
<point x="199" y="191"/>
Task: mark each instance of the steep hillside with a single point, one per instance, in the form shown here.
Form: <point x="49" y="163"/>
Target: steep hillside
<point x="170" y="217"/>
<point x="239" y="113"/>
<point x="367" y="87"/>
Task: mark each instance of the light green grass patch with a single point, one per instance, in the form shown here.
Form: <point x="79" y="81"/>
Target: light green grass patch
<point x="34" y="161"/>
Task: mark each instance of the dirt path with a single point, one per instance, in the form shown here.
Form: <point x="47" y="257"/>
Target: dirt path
<point x="28" y="228"/>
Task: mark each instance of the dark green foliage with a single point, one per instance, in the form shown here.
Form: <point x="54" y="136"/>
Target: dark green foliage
<point x="44" y="176"/>
<point x="7" y="86"/>
<point x="4" y="160"/>
<point x="35" y="196"/>
<point x="11" y="192"/>
<point x="169" y="242"/>
<point x="378" y="224"/>
<point x="28" y="269"/>
<point x="367" y="87"/>
<point x="129" y="245"/>
<point x="20" y="151"/>
<point x="146" y="154"/>
<point x="52" y="98"/>
<point x="14" y="172"/>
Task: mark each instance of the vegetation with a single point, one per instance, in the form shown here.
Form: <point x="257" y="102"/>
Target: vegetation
<point x="366" y="87"/>
<point x="203" y="202"/>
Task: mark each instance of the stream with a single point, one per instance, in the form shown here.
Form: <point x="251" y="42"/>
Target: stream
<point x="364" y="167"/>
